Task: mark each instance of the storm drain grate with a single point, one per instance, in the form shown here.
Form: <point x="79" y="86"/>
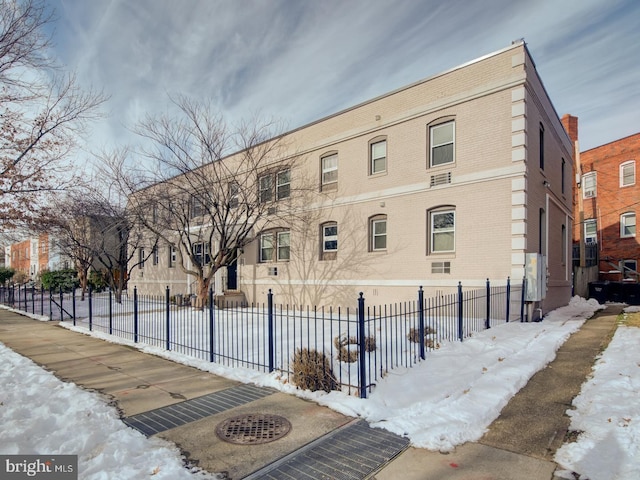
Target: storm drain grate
<point x="176" y="415"/>
<point x="253" y="429"/>
<point x="351" y="453"/>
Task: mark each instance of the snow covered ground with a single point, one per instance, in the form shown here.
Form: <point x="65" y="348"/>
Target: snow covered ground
<point x="475" y="380"/>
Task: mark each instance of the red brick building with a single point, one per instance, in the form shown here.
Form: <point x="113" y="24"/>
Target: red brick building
<point x="608" y="194"/>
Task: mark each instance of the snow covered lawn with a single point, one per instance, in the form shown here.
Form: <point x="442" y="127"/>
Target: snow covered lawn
<point x="607" y="415"/>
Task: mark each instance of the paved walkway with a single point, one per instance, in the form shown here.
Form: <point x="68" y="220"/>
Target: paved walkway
<point x="185" y="405"/>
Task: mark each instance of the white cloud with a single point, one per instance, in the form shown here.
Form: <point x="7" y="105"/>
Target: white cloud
<point x="299" y="61"/>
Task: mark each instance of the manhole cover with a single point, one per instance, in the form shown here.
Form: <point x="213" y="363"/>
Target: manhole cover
<point x="253" y="429"/>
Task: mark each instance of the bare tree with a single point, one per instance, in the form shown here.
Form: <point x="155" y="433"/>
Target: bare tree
<point x="42" y="113"/>
<point x="91" y="225"/>
<point x="205" y="202"/>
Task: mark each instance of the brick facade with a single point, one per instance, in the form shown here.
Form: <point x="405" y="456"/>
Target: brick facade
<point x="614" y="205"/>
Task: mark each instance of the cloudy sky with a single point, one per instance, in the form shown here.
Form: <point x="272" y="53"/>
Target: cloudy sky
<point x="298" y="61"/>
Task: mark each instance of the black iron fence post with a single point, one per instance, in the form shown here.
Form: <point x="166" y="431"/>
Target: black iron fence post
<point x="61" y="309"/>
<point x="33" y="299"/>
<point x="508" y="297"/>
<point x="211" y="355"/>
<point x="41" y="299"/>
<point x="73" y="304"/>
<point x="487" y="323"/>
<point x="524" y="288"/>
<point x="110" y="310"/>
<point x="361" y="357"/>
<point x="460" y="313"/>
<point x="50" y="303"/>
<point x="89" y="298"/>
<point x="271" y="324"/>
<point x="135" y="314"/>
<point x="421" y="321"/>
<point x="168" y="318"/>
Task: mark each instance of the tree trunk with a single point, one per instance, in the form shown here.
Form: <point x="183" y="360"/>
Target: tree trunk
<point x="202" y="294"/>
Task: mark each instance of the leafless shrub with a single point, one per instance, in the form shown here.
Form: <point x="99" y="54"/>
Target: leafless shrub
<point x="311" y="371"/>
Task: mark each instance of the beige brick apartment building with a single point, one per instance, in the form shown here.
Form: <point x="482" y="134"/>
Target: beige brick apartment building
<point x="454" y="178"/>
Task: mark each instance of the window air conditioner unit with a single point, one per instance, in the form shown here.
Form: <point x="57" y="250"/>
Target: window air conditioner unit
<point x="589" y="194"/>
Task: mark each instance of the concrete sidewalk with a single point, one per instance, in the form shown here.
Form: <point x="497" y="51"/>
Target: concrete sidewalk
<point x="519" y="444"/>
<point x="136" y="382"/>
<point x="522" y="441"/>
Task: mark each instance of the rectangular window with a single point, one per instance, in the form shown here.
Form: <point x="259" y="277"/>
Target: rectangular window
<point x="378" y="154"/>
<point x="590" y="231"/>
<point x="197" y="207"/>
<point x="202" y="253"/>
<point x="272" y="244"/>
<point x="330" y="169"/>
<point x="379" y="235"/>
<point x="156" y="257"/>
<point x="563" y="245"/>
<point x="628" y="174"/>
<point x="284" y="245"/>
<point x="266" y="188"/>
<point x="234" y="192"/>
<point x="443" y="231"/>
<point x="141" y="257"/>
<point x="283" y="184"/>
<point x="442" y="144"/>
<point x="589" y="185"/>
<point x="267" y="247"/>
<point x="628" y="225"/>
<point x="541" y="147"/>
<point x="173" y="254"/>
<point x="562" y="176"/>
<point x="330" y="238"/>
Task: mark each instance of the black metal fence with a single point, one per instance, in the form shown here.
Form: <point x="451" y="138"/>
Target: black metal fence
<point x="361" y="345"/>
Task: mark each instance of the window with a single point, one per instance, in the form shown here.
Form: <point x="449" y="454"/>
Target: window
<point x="628" y="225"/>
<point x="542" y="232"/>
<point x="329" y="170"/>
<point x="273" y="243"/>
<point x="283" y="185"/>
<point x="590" y="231"/>
<point x="155" y="255"/>
<point x="266" y="188"/>
<point x="330" y="238"/>
<point x="173" y="254"/>
<point x="562" y="175"/>
<point x="541" y="147"/>
<point x="284" y="245"/>
<point x="141" y="257"/>
<point x="589" y="185"/>
<point x="378" y="157"/>
<point x="202" y="253"/>
<point x="628" y="174"/>
<point x="442" y="227"/>
<point x="197" y="207"/>
<point x="563" y="245"/>
<point x="442" y="144"/>
<point x="282" y="182"/>
<point x="378" y="230"/>
<point x="234" y="192"/>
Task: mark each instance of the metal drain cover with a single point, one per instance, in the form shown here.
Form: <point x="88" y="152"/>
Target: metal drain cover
<point x="253" y="429"/>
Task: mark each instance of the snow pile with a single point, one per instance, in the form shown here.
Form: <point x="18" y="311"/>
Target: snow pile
<point x="607" y="415"/>
<point x="42" y="415"/>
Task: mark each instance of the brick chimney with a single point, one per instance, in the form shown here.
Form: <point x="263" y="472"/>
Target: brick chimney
<point x="570" y="124"/>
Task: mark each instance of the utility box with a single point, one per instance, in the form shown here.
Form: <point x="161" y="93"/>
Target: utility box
<point x="536" y="275"/>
